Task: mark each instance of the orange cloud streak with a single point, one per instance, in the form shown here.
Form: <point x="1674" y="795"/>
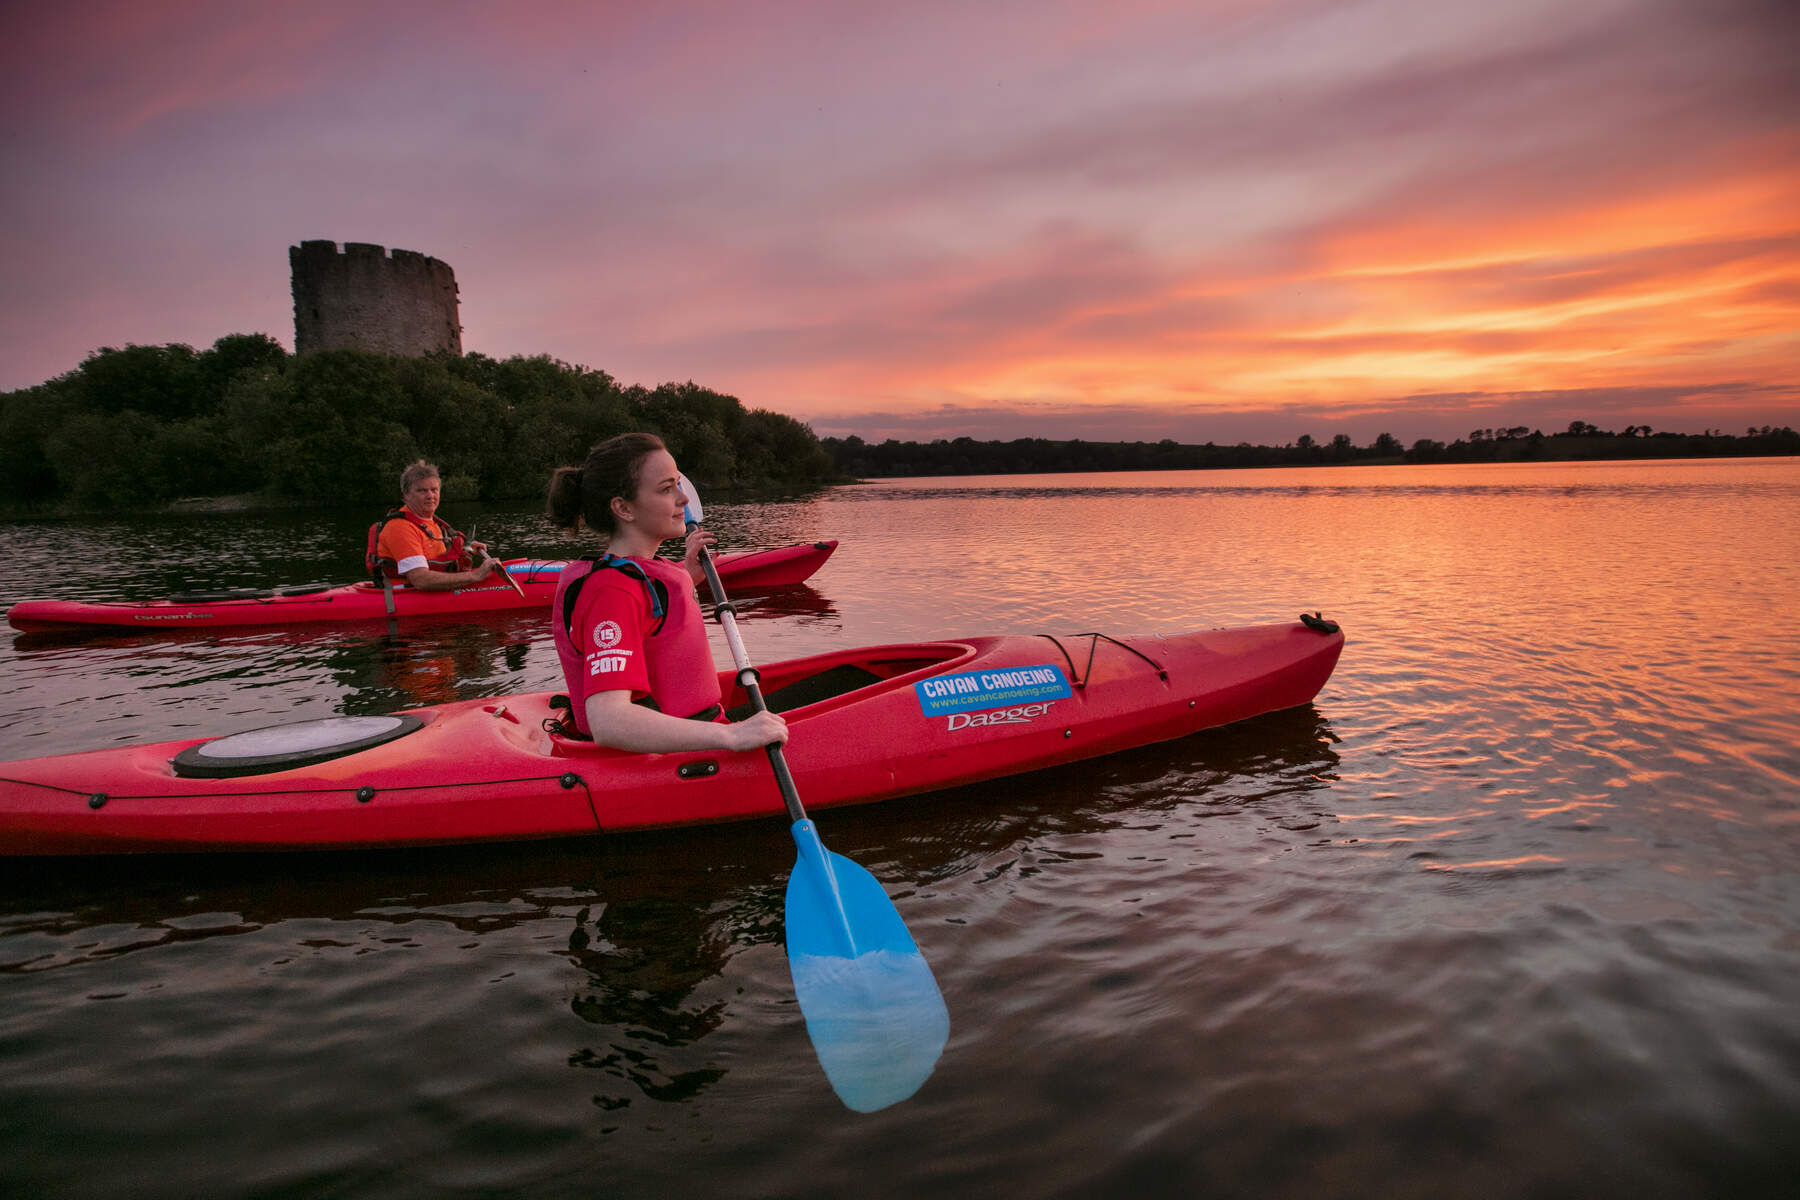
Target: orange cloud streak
<point x="1698" y="285"/>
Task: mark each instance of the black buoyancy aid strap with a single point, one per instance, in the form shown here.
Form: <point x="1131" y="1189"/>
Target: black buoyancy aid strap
<point x="447" y="536"/>
<point x="710" y="712"/>
<point x="564" y="725"/>
<point x="377" y="565"/>
<point x="659" y="605"/>
<point x="372" y="559"/>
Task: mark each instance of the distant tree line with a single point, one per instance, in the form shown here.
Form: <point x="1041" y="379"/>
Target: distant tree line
<point x="134" y="427"/>
<point x="137" y="427"/>
<point x="1028" y="456"/>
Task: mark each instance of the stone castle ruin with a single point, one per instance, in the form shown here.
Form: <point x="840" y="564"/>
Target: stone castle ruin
<point x="368" y="299"/>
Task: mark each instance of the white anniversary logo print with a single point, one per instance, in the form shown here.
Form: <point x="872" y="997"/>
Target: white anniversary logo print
<point x="606" y="635"/>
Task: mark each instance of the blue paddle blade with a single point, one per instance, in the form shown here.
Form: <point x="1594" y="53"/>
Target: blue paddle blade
<point x="873" y="1010"/>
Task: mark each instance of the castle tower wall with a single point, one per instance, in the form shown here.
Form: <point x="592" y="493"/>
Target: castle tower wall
<point x="367" y="299"/>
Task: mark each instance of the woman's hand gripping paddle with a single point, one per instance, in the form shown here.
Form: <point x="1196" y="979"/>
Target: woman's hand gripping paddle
<point x="872" y="1007"/>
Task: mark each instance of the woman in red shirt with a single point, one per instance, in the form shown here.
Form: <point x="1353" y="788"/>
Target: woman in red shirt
<point x="627" y="625"/>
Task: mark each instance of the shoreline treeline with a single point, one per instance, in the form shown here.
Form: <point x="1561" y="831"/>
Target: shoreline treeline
<point x="141" y="426"/>
<point x="1033" y="456"/>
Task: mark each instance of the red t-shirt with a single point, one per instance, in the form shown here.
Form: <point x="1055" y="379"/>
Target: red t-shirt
<point x="614" y="640"/>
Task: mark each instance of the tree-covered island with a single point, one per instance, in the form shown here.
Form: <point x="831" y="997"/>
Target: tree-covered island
<point x="139" y="427"/>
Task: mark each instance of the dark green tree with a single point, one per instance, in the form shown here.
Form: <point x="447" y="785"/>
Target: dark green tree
<point x="161" y="382"/>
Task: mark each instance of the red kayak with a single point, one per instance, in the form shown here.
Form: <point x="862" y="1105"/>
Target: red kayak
<point x="867" y="724"/>
<point x="746" y="571"/>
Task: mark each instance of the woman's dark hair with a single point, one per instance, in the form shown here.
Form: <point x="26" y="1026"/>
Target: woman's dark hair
<point x="584" y="494"/>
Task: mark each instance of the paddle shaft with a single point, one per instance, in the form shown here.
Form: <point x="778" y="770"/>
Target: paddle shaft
<point x="507" y="575"/>
<point x="498" y="565"/>
<point x="748" y="680"/>
<point x="873" y="1011"/>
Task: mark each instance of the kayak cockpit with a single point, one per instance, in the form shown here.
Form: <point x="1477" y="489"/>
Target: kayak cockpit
<point x="842" y="677"/>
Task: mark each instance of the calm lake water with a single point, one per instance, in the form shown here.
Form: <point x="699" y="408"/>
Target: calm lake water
<point x="1512" y="910"/>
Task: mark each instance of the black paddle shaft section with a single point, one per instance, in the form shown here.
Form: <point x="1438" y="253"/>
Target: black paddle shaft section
<point x="747" y="679"/>
<point x="790" y="795"/>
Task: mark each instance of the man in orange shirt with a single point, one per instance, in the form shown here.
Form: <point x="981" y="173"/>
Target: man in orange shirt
<point x="417" y="547"/>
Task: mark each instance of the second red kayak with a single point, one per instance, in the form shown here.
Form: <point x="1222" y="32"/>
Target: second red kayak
<point x="745" y="571"/>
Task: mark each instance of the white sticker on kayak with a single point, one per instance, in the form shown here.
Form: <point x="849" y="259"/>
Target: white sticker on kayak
<point x="971" y="691"/>
<point x="1024" y="714"/>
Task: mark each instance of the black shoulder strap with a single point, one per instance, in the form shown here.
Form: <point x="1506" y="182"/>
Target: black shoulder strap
<point x="659" y="592"/>
<point x="568" y="603"/>
<point x="372" y="559"/>
<point x="447" y="532"/>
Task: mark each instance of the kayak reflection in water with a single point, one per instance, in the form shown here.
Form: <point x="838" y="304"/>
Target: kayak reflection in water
<point x="412" y="545"/>
<point x="628" y="627"/>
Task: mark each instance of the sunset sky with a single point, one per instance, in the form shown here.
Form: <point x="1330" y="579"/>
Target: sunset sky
<point x="1217" y="220"/>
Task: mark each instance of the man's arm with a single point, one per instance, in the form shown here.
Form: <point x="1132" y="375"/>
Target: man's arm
<point x="427" y="580"/>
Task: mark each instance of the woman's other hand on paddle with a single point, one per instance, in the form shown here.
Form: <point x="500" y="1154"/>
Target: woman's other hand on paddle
<point x="758" y="730"/>
<point x="696" y="538"/>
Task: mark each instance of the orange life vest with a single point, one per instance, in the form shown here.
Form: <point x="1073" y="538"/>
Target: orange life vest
<point x="454" y="557"/>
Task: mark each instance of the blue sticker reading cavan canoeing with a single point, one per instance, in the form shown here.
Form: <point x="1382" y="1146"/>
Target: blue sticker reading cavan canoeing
<point x="966" y="691"/>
